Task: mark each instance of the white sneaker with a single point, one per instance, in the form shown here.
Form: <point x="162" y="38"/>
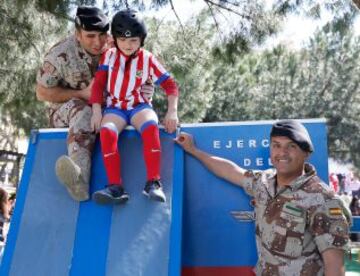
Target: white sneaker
<point x="154" y="191"/>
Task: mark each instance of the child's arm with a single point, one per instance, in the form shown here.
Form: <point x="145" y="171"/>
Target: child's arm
<point x="96" y="98"/>
<point x="96" y="117"/>
<point x="99" y="84"/>
<point x="171" y="119"/>
<point x="168" y="84"/>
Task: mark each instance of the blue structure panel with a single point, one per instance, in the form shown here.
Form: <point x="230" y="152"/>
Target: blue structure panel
<point x="356" y="225"/>
<point x="51" y="234"/>
<point x="47" y="230"/>
<point x="139" y="240"/>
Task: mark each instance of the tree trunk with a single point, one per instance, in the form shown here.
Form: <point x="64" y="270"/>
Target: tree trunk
<point x="357" y="3"/>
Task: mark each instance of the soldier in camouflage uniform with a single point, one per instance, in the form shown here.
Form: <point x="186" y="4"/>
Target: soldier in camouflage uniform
<point x="302" y="228"/>
<point x="64" y="81"/>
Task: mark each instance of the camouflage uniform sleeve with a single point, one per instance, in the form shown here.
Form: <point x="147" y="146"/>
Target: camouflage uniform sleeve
<point x="249" y="181"/>
<point x="48" y="75"/>
<point x="329" y="224"/>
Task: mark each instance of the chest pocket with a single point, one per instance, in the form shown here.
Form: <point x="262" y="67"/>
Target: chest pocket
<point x="289" y="231"/>
<point x="77" y="79"/>
<point x="76" y="72"/>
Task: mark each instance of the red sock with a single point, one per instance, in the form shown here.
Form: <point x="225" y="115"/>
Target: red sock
<point x="152" y="151"/>
<point x="111" y="156"/>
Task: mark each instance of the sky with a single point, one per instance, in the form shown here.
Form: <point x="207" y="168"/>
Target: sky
<point x="295" y="33"/>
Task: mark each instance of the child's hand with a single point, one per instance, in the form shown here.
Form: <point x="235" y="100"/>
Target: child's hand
<point x="96" y="120"/>
<point x="171" y="121"/>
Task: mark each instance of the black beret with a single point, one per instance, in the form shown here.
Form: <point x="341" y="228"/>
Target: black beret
<point x="91" y="19"/>
<point x="294" y="131"/>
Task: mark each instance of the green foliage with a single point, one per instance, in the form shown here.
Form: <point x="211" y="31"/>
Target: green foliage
<point x="320" y="80"/>
<point x="186" y="55"/>
<point x="24" y="38"/>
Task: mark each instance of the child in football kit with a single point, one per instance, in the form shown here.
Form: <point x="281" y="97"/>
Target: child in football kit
<point x="121" y="72"/>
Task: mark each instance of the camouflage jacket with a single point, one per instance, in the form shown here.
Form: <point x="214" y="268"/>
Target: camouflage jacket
<point x="67" y="65"/>
<point x="296" y="224"/>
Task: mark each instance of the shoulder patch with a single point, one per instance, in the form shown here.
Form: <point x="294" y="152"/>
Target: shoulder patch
<point x="292" y="209"/>
<point x="335" y="212"/>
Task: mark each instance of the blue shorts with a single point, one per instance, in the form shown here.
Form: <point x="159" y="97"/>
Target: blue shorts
<point x="126" y="114"/>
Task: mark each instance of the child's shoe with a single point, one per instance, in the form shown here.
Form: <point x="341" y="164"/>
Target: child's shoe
<point x="154" y="190"/>
<point x="112" y="194"/>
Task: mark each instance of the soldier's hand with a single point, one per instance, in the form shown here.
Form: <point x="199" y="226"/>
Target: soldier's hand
<point x="170" y="121"/>
<point x="186" y="141"/>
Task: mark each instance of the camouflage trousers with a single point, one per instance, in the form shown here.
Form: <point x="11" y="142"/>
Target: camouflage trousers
<point x="76" y="115"/>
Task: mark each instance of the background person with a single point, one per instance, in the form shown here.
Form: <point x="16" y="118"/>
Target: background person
<point x="355" y="211"/>
<point x="4" y="219"/>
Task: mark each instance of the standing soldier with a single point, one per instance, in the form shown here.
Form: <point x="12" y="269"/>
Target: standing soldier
<point x="64" y="80"/>
<point x="301" y="227"/>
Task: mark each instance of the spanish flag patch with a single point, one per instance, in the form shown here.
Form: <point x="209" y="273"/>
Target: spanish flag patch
<point x="335" y="211"/>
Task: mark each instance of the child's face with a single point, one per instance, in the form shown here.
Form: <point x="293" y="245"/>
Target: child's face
<point x="128" y="45"/>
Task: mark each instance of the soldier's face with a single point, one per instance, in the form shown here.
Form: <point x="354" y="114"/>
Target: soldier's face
<point x="128" y="45"/>
<point x="287" y="157"/>
<point x="93" y="42"/>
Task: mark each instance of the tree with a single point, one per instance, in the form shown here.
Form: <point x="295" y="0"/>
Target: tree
<point x="222" y="75"/>
<point x="237" y="25"/>
<point x="357" y="3"/>
<point x="320" y="80"/>
<point x="187" y="62"/>
<point x="24" y="38"/>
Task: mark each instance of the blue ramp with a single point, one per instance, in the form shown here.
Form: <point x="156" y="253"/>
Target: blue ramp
<point x="53" y="235"/>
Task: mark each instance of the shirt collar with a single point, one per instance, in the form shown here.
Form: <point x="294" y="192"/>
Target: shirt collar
<point x="270" y="180"/>
<point x="134" y="55"/>
<point x="309" y="173"/>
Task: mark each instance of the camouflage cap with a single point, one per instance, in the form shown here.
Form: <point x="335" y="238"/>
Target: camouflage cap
<point x="91" y="19"/>
<point x="294" y="131"/>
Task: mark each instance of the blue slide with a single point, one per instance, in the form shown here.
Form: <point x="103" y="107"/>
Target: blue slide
<point x="206" y="228"/>
<point x="53" y="235"/>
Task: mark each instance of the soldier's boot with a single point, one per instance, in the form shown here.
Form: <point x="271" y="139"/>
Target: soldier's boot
<point x="69" y="174"/>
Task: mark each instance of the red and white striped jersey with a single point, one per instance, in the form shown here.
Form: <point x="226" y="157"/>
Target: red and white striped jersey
<point x="122" y="76"/>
